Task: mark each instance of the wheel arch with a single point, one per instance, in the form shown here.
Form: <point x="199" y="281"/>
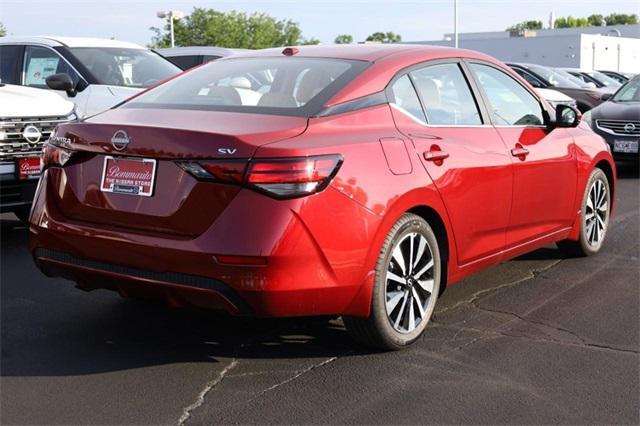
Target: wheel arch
<point x="439" y="228"/>
<point x="608" y="170"/>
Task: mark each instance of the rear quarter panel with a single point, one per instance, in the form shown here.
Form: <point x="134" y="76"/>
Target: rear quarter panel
<point x="366" y="179"/>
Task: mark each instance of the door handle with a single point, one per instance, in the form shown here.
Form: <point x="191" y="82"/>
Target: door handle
<point x="520" y="152"/>
<point x="435" y="154"/>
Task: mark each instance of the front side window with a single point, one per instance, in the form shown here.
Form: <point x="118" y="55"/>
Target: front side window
<point x="446" y="95"/>
<point x="40" y="63"/>
<point x="125" y="67"/>
<point x="290" y="86"/>
<point x="510" y="103"/>
<point x="406" y="98"/>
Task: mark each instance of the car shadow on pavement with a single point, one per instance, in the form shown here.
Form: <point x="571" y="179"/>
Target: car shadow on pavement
<point x="49" y="328"/>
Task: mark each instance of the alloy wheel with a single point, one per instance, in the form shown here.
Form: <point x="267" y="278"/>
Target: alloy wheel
<point x="409" y="283"/>
<point x="596" y="213"/>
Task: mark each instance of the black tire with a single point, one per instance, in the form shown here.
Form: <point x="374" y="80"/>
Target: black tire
<point x="22" y="213"/>
<point x="377" y="330"/>
<point x="586" y="245"/>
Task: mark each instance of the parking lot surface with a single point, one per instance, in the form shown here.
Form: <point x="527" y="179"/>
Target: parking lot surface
<point x="539" y="339"/>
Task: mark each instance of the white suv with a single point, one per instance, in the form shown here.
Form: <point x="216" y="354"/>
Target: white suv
<point x="95" y="74"/>
<point x="27" y="118"/>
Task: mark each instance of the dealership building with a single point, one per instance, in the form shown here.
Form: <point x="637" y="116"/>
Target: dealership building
<point x="614" y="48"/>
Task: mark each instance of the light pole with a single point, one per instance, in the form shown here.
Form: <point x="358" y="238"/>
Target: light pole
<point x="455" y="23"/>
<point x="171" y="15"/>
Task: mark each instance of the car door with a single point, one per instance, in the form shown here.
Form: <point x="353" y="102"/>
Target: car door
<point x="39" y="62"/>
<point x="544" y="158"/>
<point x="465" y="157"/>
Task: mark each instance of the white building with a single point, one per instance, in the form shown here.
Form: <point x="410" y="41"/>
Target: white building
<point x="615" y="48"/>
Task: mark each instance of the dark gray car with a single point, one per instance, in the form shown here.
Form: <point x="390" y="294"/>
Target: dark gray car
<point x="618" y="121"/>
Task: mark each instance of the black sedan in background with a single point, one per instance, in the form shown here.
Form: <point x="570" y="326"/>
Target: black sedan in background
<point x="618" y="121"/>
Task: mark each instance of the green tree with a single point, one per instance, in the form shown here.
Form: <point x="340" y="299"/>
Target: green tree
<point x="3" y="30"/>
<point x="209" y="27"/>
<point x="621" y="19"/>
<point x="570" y="22"/>
<point x="343" y="39"/>
<point x="388" y="37"/>
<point x="596" y="20"/>
<point x="525" y="25"/>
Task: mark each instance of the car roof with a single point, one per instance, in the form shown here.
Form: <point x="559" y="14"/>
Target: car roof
<point x="363" y="52"/>
<point x="198" y="50"/>
<point x="54" y="41"/>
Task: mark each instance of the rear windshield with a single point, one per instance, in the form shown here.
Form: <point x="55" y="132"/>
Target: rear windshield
<point x="286" y="86"/>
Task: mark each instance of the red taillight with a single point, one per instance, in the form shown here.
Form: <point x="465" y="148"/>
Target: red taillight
<point x="54" y="156"/>
<point x="278" y="177"/>
<point x="293" y="177"/>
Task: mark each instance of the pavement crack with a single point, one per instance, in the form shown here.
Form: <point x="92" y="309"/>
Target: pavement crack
<point x="297" y="374"/>
<point x="533" y="273"/>
<point x="186" y="413"/>
<point x="529" y="320"/>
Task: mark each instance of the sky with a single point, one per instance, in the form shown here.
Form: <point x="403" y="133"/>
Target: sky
<point x="414" y="20"/>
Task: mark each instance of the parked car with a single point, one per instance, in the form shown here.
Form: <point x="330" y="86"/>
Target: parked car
<point x="596" y="77"/>
<point x="618" y="121"/>
<point x="27" y="117"/>
<point x="362" y="181"/>
<point x="619" y="76"/>
<point x="189" y="57"/>
<point x="555" y="98"/>
<point x="95" y="74"/>
<point x="546" y="78"/>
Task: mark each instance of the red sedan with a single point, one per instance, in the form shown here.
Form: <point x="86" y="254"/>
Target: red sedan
<point x="357" y="181"/>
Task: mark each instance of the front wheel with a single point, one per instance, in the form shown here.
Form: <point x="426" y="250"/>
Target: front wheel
<point x="594" y="220"/>
<point x="406" y="287"/>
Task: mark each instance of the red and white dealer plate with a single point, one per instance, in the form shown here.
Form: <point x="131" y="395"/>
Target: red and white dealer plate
<point x="28" y="168"/>
<point x="128" y="176"/>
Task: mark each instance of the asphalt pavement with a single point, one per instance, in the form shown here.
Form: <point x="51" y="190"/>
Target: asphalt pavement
<point x="537" y="340"/>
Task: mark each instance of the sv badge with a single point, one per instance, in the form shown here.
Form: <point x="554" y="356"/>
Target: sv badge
<point x="227" y="151"/>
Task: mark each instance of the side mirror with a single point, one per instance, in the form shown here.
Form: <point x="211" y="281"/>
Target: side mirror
<point x="62" y="82"/>
<point x="567" y="116"/>
<point x="606" y="96"/>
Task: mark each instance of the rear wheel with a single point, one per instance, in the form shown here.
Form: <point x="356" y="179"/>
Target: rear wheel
<point x="594" y="220"/>
<point x="406" y="287"/>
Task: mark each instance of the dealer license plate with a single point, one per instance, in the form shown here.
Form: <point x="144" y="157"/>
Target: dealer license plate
<point x="128" y="176"/>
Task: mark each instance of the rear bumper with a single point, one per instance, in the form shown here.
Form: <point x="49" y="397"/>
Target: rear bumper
<point x="296" y="277"/>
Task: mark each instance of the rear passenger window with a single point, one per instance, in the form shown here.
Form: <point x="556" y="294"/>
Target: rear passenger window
<point x="405" y="98"/>
<point x="510" y="103"/>
<point x="446" y="95"/>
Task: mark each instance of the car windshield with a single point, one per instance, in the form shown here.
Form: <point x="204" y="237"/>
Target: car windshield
<point x="125" y="67"/>
<point x="557" y="78"/>
<point x="286" y="85"/>
<point x="630" y="92"/>
<point x="604" y="79"/>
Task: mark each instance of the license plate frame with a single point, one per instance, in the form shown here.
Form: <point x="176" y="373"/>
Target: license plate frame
<point x="28" y="168"/>
<point x="134" y="182"/>
<point x="625" y="146"/>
